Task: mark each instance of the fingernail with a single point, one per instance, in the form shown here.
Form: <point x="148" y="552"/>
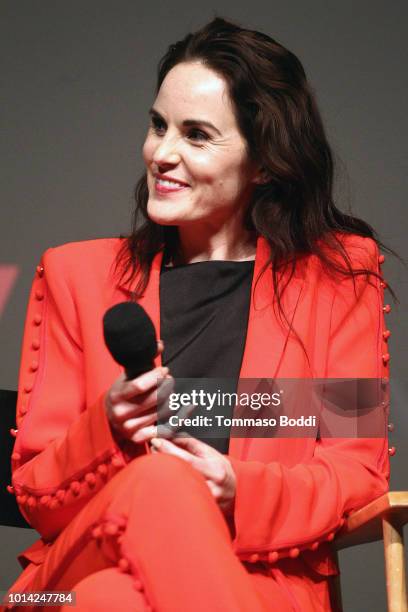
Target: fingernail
<point x="156" y="442"/>
<point x="165" y="371"/>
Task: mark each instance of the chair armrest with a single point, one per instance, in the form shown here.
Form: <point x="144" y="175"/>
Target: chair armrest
<point x="365" y="525"/>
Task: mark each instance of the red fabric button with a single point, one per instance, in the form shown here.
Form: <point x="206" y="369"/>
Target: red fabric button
<point x="10" y="488"/>
<point x="381" y="259"/>
<point x="294" y="552"/>
<point x="111" y="529"/>
<point x="35" y="345"/>
<point x="28" y="387"/>
<point x="40" y="270"/>
<point x="314" y="546"/>
<point x="387" y="308"/>
<point x="330" y="536"/>
<point x="386" y="357"/>
<point x="386" y="334"/>
<point x="90" y="479"/>
<point x="124" y="567"/>
<point x="34" y="365"/>
<point x="254" y="558"/>
<point x="392" y="451"/>
<point x="37" y="319"/>
<point x="75" y="487"/>
<point x="60" y="495"/>
<point x="13" y="432"/>
<point x="39" y="295"/>
<point x="102" y="469"/>
<point x="97" y="532"/>
<point x="390" y="426"/>
<point x="16" y="456"/>
<point x="138" y="585"/>
<point x="116" y="461"/>
<point x="273" y="556"/>
<point x="23" y="410"/>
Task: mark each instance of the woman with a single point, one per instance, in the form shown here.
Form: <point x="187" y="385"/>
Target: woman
<point x="235" y="206"/>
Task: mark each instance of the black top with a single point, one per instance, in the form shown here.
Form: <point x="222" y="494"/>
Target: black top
<point x="204" y="310"/>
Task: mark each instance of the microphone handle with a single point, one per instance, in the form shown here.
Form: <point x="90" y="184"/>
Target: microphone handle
<point x="136" y="370"/>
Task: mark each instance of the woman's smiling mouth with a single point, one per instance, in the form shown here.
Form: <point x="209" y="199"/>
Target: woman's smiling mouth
<point x="167" y="185"/>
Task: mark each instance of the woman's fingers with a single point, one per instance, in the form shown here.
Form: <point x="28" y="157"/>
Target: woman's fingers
<point x="144" y="434"/>
<point x="143" y="383"/>
<point x="167" y="446"/>
<point x="135" y="421"/>
<point x="132" y="425"/>
<point x="156" y="398"/>
<point x="141" y="428"/>
<point x="142" y="403"/>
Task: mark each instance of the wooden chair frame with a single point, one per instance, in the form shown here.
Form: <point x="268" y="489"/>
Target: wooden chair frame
<point x="384" y="518"/>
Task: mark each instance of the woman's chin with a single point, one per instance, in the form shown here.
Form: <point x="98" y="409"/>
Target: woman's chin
<point x="161" y="219"/>
<point x="164" y="213"/>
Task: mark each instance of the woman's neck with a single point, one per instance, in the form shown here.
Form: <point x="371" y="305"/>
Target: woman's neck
<point x="228" y="246"/>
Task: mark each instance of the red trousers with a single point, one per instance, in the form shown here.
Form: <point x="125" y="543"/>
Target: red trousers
<point x="154" y="539"/>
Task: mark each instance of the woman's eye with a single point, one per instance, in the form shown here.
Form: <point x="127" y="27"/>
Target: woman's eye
<point x="158" y="126"/>
<point x="197" y="135"/>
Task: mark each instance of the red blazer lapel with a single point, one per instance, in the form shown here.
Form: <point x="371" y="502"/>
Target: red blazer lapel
<point x="150" y="300"/>
<point x="267" y="337"/>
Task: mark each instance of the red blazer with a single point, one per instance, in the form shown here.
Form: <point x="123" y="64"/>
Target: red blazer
<point x="292" y="494"/>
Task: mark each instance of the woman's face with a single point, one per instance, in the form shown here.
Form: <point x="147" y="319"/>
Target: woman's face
<point x="196" y="160"/>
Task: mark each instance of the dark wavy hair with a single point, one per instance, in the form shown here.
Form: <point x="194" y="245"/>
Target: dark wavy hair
<point x="278" y="116"/>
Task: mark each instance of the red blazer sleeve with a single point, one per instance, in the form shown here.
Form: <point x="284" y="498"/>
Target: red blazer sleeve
<point x="64" y="450"/>
<point x="300" y="507"/>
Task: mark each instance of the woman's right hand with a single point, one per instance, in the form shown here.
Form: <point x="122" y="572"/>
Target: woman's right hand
<point x="133" y="406"/>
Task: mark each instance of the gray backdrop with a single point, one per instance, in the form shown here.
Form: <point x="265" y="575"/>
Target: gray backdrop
<point x="79" y="79"/>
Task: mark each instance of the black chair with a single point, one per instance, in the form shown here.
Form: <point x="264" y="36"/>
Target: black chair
<point x="10" y="514"/>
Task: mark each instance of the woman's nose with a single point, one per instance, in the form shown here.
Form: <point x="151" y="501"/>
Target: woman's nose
<point x="167" y="152"/>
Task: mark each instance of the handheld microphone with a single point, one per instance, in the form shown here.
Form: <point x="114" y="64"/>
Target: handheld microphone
<point x="130" y="337"/>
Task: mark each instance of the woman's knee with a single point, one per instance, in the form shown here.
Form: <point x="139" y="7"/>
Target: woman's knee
<point x="161" y="465"/>
<point x="161" y="471"/>
<point x="157" y="478"/>
<point x="108" y="590"/>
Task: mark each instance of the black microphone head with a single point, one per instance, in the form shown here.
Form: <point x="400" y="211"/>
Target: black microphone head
<point x="130" y="336"/>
